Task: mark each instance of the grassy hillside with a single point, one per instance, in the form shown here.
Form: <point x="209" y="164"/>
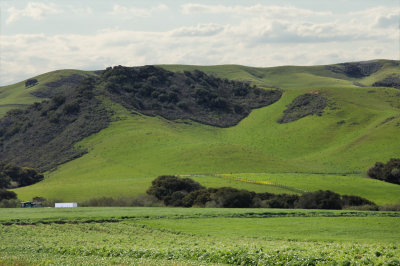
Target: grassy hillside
<point x="360" y="126"/>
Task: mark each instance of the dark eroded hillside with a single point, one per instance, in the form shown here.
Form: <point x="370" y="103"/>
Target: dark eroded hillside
<point x="356" y="69"/>
<point x="190" y="95"/>
<point x="302" y="106"/>
<point x="43" y="135"/>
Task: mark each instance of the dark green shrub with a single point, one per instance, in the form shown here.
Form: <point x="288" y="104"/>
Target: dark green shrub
<point x="389" y="172"/>
<point x="10" y="203"/>
<point x="31" y="83"/>
<point x="173" y="97"/>
<point x="58" y="100"/>
<point x="146" y="90"/>
<point x="5" y="180"/>
<point x="241" y="90"/>
<point x="163" y="187"/>
<point x="71" y="108"/>
<point x="189" y="199"/>
<point x="163" y="97"/>
<point x="38" y="199"/>
<point x="140" y="201"/>
<point x="362" y="207"/>
<point x="176" y="198"/>
<point x="7" y="195"/>
<point x="22" y="176"/>
<point x="183" y="105"/>
<point x="353" y="70"/>
<point x="284" y="201"/>
<point x="348" y="200"/>
<point x="219" y="103"/>
<point x="319" y="200"/>
<point x="238" y="109"/>
<point x="229" y="197"/>
<point x="390" y="207"/>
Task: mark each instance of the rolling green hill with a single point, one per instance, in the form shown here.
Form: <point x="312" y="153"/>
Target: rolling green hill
<point x="359" y="126"/>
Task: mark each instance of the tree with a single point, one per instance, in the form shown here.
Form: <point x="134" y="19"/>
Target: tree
<point x="376" y="171"/>
<point x="5" y="180"/>
<point x="30" y="83"/>
<point x="7" y="195"/>
<point x="349" y="200"/>
<point x="23" y="176"/>
<point x="164" y="188"/>
<point x="228" y="197"/>
<point x="389" y="172"/>
<point x="319" y="200"/>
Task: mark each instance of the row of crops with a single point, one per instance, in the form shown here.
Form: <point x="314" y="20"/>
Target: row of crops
<point x="130" y="242"/>
<point x="178" y="236"/>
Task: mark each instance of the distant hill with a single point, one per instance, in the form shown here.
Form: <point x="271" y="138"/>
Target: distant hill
<point x="148" y="131"/>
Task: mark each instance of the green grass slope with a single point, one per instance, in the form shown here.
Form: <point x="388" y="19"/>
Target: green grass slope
<point x="360" y="126"/>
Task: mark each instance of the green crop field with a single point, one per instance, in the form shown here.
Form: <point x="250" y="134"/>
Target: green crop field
<point x="178" y="236"/>
<point x="360" y="126"/>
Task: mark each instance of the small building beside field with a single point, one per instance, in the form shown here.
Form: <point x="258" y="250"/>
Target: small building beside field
<point x="66" y="205"/>
<point x="30" y="204"/>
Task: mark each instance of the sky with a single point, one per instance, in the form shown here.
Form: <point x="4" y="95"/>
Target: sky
<point x="42" y="36"/>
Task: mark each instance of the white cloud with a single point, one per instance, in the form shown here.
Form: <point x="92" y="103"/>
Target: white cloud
<point x="26" y="55"/>
<point x="257" y="36"/>
<point x="34" y="10"/>
<point x="264" y="10"/>
<point x="119" y="10"/>
<point x="379" y="16"/>
<point x="389" y="20"/>
<point x="81" y="10"/>
<point x="199" y="30"/>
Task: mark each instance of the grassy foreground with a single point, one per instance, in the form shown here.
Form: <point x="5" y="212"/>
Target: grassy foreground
<point x="177" y="236"/>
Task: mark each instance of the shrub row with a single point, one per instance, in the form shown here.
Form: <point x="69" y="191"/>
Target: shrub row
<point x="175" y="191"/>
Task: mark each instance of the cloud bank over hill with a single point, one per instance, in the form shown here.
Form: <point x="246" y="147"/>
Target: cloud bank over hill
<point x="43" y="36"/>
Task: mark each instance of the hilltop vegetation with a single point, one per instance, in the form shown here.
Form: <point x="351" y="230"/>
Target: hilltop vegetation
<point x="189" y="95"/>
<point x="59" y="86"/>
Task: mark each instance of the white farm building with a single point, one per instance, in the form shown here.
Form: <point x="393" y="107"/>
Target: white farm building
<point x="66" y="205"/>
